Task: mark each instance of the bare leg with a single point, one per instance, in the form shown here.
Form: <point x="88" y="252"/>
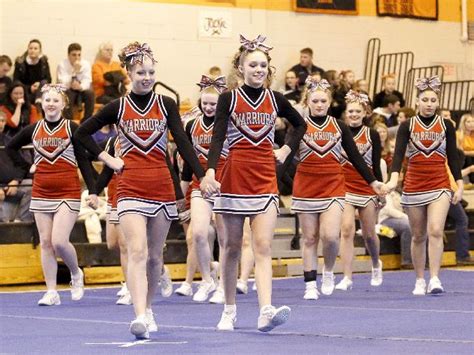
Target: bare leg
<point x="44" y="222"/>
<point x="201" y="214"/>
<point x="329" y="231"/>
<point x="368" y="219"/>
<point x="220" y="237"/>
<point x="437" y="212"/>
<point x="116" y="240"/>
<point x="157" y="231"/>
<point x="63" y="222"/>
<point x="134" y="227"/>
<point x="310" y="231"/>
<point x="233" y="227"/>
<point x="247" y="260"/>
<point x="347" y="239"/>
<point x="191" y="259"/>
<point x="263" y="226"/>
<point x="417" y="217"/>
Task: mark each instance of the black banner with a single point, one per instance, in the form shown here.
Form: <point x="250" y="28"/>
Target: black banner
<point x="420" y="9"/>
<point x="341" y="7"/>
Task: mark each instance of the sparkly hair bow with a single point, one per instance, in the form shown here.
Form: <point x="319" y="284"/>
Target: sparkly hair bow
<point x="313" y="85"/>
<point x="254" y="44"/>
<point x="354" y="96"/>
<point x="137" y="53"/>
<point x="432" y="83"/>
<point x="218" y="83"/>
<point x="59" y="88"/>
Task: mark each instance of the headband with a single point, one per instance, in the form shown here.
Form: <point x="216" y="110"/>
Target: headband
<point x="218" y="83"/>
<point x="255" y="44"/>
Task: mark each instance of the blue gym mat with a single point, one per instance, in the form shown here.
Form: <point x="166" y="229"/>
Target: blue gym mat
<point x="365" y="320"/>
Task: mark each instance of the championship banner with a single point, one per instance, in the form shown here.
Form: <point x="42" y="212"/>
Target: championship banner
<point x="420" y="9"/>
<point x="340" y="7"/>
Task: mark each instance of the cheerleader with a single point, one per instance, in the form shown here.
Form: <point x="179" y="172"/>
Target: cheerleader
<point x="56" y="194"/>
<point x="199" y="131"/>
<point x="431" y="141"/>
<point x="318" y="189"/>
<point x="246" y="117"/>
<point x="359" y="195"/>
<point x="145" y="194"/>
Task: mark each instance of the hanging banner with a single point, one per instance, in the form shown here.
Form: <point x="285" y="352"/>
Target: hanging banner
<point x="420" y="9"/>
<point x="215" y="24"/>
<point x="340" y="7"/>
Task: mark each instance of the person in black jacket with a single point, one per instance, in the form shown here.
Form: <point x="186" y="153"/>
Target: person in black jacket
<point x="32" y="70"/>
<point x="306" y="66"/>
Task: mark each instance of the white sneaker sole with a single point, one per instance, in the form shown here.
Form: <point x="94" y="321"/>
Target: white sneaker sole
<point x="436" y="291"/>
<point x="58" y="303"/>
<point x="139" y="330"/>
<point x="280" y="317"/>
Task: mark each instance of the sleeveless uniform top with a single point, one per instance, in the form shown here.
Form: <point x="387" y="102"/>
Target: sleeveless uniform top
<point x="319" y="181"/>
<point x="355" y="183"/>
<point x="426" y="178"/>
<point x="56" y="180"/>
<point x="248" y="181"/>
<point x="201" y="136"/>
<point x="145" y="185"/>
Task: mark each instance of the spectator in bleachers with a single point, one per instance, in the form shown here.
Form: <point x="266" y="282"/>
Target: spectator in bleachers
<point x="291" y="90"/>
<point x="306" y="66"/>
<point x="382" y="130"/>
<point x="403" y="115"/>
<point x="332" y="77"/>
<point x="108" y="76"/>
<point x="461" y="224"/>
<point x="389" y="109"/>
<point x="106" y="132"/>
<point x="362" y="86"/>
<point x="344" y="84"/>
<point x="392" y="215"/>
<point x="32" y="70"/>
<point x="19" y="112"/>
<point x="215" y="71"/>
<point x="388" y="88"/>
<point x="5" y="80"/>
<point x="15" y="197"/>
<point x="75" y="74"/>
<point x="465" y="140"/>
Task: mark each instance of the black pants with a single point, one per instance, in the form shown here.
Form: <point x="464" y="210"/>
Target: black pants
<point x="76" y="98"/>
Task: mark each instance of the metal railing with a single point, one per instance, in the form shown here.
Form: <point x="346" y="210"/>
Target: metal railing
<point x="170" y="89"/>
<point x="371" y="57"/>
<point x="396" y="63"/>
<point x="415" y="73"/>
<point x="457" y="95"/>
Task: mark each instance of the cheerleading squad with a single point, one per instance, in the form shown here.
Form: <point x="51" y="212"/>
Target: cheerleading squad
<point x="228" y="171"/>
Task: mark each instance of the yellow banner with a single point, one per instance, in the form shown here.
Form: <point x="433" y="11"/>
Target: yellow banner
<point x="420" y="9"/>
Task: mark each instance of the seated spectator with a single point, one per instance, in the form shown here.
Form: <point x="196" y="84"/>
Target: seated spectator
<point x="382" y="130"/>
<point x="332" y="77"/>
<point x="362" y="86"/>
<point x="465" y="140"/>
<point x="392" y="215"/>
<point x="291" y="90"/>
<point x="15" y="197"/>
<point x="19" y="112"/>
<point x="32" y="70"/>
<point x="305" y="66"/>
<point x="344" y="84"/>
<point x="389" y="109"/>
<point x="75" y="74"/>
<point x="215" y="71"/>
<point x="108" y="76"/>
<point x="403" y="115"/>
<point x="461" y="225"/>
<point x="388" y="88"/>
<point x="5" y="81"/>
